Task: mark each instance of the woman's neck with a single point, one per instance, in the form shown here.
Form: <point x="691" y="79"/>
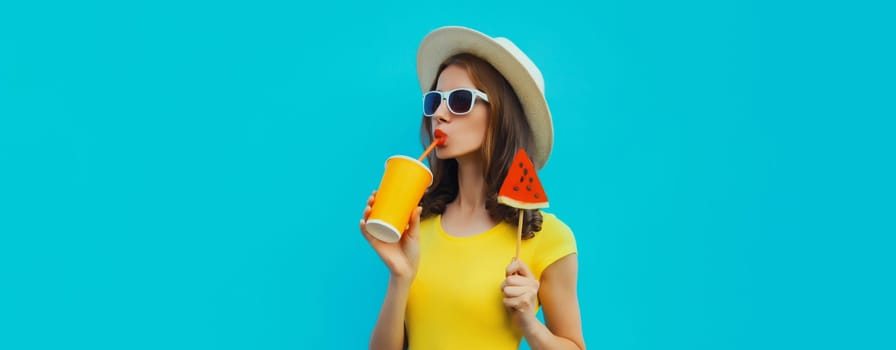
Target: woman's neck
<point x="471" y="187"/>
<point x="466" y="215"/>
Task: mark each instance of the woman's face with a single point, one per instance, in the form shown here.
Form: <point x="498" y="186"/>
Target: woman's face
<point x="466" y="133"/>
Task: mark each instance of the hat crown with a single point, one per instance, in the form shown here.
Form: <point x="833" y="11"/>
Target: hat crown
<point x="524" y="59"/>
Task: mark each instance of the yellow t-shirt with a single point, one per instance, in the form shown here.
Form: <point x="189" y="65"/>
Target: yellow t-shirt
<point x="455" y="301"/>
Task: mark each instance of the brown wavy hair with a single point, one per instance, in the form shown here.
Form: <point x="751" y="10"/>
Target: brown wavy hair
<point x="508" y="130"/>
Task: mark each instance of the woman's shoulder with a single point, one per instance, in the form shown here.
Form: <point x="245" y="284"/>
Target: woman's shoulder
<point x="554" y="232"/>
<point x="552" y="224"/>
<point x="554" y="241"/>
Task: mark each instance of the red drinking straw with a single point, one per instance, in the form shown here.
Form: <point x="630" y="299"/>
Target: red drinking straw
<point x="438" y="141"/>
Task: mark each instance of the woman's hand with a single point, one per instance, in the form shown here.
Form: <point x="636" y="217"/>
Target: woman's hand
<point x="403" y="256"/>
<point x="520" y="293"/>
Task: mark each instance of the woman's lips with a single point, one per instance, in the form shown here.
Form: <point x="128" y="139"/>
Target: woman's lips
<point x="441" y="137"/>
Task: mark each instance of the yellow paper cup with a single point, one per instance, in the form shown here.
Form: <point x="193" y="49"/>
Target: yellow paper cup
<point x="401" y="189"/>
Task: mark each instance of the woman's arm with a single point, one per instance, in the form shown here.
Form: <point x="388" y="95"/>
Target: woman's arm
<point x="402" y="259"/>
<point x="559" y="300"/>
<point x="389" y="330"/>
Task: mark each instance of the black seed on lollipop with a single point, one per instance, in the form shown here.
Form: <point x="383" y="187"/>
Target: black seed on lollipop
<point x="530" y="180"/>
<point x="525" y="171"/>
<point x="522" y="178"/>
<point x="528" y="188"/>
<point x="516" y="188"/>
<point x="521" y="164"/>
<point x="536" y="196"/>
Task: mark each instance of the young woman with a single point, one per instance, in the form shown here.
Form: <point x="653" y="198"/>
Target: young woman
<point x="454" y="283"/>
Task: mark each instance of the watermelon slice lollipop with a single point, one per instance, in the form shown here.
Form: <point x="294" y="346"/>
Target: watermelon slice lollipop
<point x="522" y="190"/>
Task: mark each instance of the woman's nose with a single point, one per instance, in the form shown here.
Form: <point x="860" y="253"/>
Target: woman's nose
<point x="442" y="113"/>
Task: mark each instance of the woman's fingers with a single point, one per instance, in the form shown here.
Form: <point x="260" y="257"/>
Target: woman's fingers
<point x="518" y="267"/>
<point x="367" y="213"/>
<point x="520" y="288"/>
<point x="517" y="280"/>
<point x="414" y="223"/>
<point x="371" y="198"/>
<point x="368" y="208"/>
<point x="515" y="291"/>
<point x="520" y="303"/>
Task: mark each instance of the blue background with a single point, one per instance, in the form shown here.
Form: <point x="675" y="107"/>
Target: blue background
<point x="190" y="175"/>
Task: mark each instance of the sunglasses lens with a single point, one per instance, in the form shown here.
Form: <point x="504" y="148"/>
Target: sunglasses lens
<point x="460" y="101"/>
<point x="431" y="102"/>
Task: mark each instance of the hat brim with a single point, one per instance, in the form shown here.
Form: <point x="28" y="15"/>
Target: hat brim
<point x="445" y="42"/>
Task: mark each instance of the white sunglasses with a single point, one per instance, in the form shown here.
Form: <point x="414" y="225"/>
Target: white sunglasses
<point x="460" y="101"/>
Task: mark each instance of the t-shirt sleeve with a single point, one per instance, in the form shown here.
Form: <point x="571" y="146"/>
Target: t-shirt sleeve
<point x="555" y="241"/>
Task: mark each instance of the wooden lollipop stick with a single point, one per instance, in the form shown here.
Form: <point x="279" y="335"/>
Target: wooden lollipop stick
<point x="519" y="235"/>
<point x="522" y="190"/>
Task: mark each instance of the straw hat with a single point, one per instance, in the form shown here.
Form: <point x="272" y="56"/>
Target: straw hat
<point x="510" y="61"/>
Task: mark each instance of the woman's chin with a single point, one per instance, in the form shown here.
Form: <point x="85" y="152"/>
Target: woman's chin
<point x="442" y="153"/>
